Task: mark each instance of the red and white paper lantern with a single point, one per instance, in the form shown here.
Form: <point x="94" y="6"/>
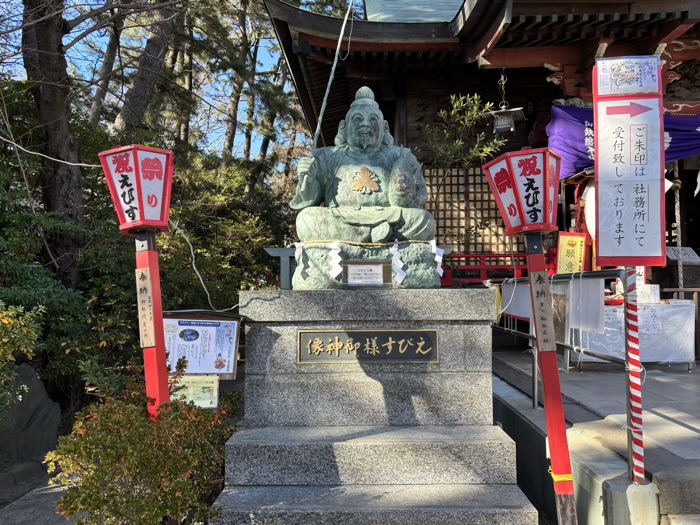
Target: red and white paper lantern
<point x="140" y="181"/>
<point x="525" y="185"/>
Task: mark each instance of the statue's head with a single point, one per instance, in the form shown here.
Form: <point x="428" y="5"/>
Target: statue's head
<point x="364" y="126"/>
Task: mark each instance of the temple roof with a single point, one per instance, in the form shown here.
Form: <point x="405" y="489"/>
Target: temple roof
<point x="563" y="35"/>
<point x="415" y="11"/>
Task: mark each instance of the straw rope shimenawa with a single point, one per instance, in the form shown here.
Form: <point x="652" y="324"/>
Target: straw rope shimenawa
<point x="357" y="243"/>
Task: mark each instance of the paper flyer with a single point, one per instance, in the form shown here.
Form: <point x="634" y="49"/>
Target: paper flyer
<point x="210" y="347"/>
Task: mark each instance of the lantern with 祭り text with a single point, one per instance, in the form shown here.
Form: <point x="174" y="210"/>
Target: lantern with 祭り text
<point x="140" y="180"/>
<point x="526" y="187"/>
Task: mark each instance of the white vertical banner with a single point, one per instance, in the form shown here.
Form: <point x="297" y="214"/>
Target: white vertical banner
<point x="631" y="226"/>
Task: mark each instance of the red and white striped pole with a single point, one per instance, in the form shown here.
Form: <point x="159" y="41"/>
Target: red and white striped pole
<point x="635" y="435"/>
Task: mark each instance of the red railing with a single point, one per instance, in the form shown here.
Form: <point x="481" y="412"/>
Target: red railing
<point x="471" y="268"/>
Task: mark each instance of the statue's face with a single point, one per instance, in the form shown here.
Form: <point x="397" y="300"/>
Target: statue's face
<point x="364" y="127"/>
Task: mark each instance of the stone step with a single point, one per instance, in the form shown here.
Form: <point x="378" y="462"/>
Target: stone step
<point x="373" y="398"/>
<point x="376" y="505"/>
<point x="370" y="456"/>
<point x="681" y="519"/>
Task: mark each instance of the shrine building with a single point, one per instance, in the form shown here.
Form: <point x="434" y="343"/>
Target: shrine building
<point x="415" y="54"/>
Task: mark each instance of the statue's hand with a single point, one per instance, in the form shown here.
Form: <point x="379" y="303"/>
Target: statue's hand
<point x="306" y="169"/>
<point x="307" y="166"/>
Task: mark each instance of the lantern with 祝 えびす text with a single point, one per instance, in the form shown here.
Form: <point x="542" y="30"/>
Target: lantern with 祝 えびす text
<point x="525" y="185"/>
<point x="140" y="180"/>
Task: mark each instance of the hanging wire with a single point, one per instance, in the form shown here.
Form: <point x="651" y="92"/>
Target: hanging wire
<point x="53" y="159"/>
<point x="330" y="79"/>
<point x="196" y="271"/>
<point x="580" y="348"/>
<point x="515" y="280"/>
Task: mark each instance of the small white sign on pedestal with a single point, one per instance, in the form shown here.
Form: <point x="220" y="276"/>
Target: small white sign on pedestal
<point x="367" y="274"/>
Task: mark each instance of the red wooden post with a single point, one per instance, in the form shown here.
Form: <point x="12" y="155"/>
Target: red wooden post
<point x="541" y="298"/>
<point x="152" y="333"/>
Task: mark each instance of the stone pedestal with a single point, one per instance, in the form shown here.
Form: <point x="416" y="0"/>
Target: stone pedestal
<point x="366" y="433"/>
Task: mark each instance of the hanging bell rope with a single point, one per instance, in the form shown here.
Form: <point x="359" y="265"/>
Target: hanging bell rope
<point x="503" y="105"/>
<point x="330" y="79"/>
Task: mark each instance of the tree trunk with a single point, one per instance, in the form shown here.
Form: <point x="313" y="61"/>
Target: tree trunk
<point x="289" y="158"/>
<point x="107" y="68"/>
<point x="232" y="124"/>
<point x="269" y="121"/>
<point x="169" y="75"/>
<point x="183" y="132"/>
<point x="239" y="81"/>
<point x="62" y="189"/>
<point x="250" y="119"/>
<point x="139" y="96"/>
<point x="268" y="132"/>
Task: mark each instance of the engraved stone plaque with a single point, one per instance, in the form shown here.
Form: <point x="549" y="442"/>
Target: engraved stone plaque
<point x="367" y="346"/>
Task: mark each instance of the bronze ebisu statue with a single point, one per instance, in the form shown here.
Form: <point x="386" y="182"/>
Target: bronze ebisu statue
<point x="364" y="193"/>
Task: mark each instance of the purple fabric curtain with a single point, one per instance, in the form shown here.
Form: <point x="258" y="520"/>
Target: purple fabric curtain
<point x="570" y="134"/>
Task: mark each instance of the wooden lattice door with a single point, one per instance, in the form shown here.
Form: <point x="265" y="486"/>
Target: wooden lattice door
<point x="466" y="213"/>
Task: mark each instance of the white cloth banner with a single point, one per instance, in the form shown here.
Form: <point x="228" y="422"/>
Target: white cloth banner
<point x="666" y="334"/>
<point x="516" y="299"/>
<point x="584" y="302"/>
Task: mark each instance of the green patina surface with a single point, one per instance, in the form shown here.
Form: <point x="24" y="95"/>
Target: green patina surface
<point x="363" y="190"/>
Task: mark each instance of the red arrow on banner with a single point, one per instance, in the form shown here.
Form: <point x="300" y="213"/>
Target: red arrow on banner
<point x="633" y="109"/>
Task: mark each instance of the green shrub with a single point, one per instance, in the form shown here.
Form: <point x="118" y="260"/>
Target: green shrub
<point x="122" y="468"/>
<point x="19" y="336"/>
<point x="458" y="139"/>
